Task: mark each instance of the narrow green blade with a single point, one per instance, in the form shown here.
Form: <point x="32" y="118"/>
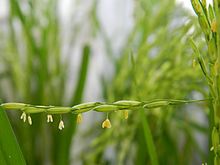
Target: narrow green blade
<point x="10" y="152"/>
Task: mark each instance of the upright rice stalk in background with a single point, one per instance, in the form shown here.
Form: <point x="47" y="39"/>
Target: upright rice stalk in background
<point x="209" y="20"/>
<point x="152" y="65"/>
<point x="34" y="68"/>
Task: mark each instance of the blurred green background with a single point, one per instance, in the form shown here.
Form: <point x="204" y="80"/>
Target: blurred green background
<point x="68" y="52"/>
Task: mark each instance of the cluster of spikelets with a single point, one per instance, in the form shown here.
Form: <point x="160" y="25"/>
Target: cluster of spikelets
<point x="123" y="105"/>
<point x="208" y="17"/>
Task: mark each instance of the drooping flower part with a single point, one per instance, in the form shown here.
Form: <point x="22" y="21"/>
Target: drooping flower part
<point x="29" y="120"/>
<point x="23" y="117"/>
<point x="106" y="124"/>
<point x="125" y="114"/>
<point x="49" y="118"/>
<point x="61" y="125"/>
<point x="79" y="118"/>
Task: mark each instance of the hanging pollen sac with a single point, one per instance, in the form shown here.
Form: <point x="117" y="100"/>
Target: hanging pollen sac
<point x="79" y="118"/>
<point x="61" y="125"/>
<point x="29" y="120"/>
<point x="23" y="117"/>
<point x="106" y="124"/>
<point x="49" y="118"/>
<point x="125" y="114"/>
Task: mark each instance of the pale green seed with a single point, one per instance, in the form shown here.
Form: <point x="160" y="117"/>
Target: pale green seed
<point x="58" y="110"/>
<point x="156" y="104"/>
<point x="127" y="103"/>
<point x="106" y="108"/>
<point x="13" y="106"/>
<point x="33" y="110"/>
<point x="84" y="107"/>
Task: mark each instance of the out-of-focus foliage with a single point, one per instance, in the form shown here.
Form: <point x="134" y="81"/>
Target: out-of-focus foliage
<point x="34" y="70"/>
<point x="156" y="62"/>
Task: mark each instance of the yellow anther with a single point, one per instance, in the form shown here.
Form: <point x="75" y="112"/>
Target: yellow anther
<point x="79" y="118"/>
<point x="106" y="123"/>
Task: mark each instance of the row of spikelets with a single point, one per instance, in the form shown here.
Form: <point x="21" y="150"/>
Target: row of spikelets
<point x="123" y="105"/>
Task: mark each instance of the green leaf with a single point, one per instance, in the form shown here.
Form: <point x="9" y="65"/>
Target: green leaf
<point x="10" y="152"/>
<point x="148" y="139"/>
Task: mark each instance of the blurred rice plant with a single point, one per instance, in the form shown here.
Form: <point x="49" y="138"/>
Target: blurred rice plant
<point x="34" y="70"/>
<point x="156" y="62"/>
